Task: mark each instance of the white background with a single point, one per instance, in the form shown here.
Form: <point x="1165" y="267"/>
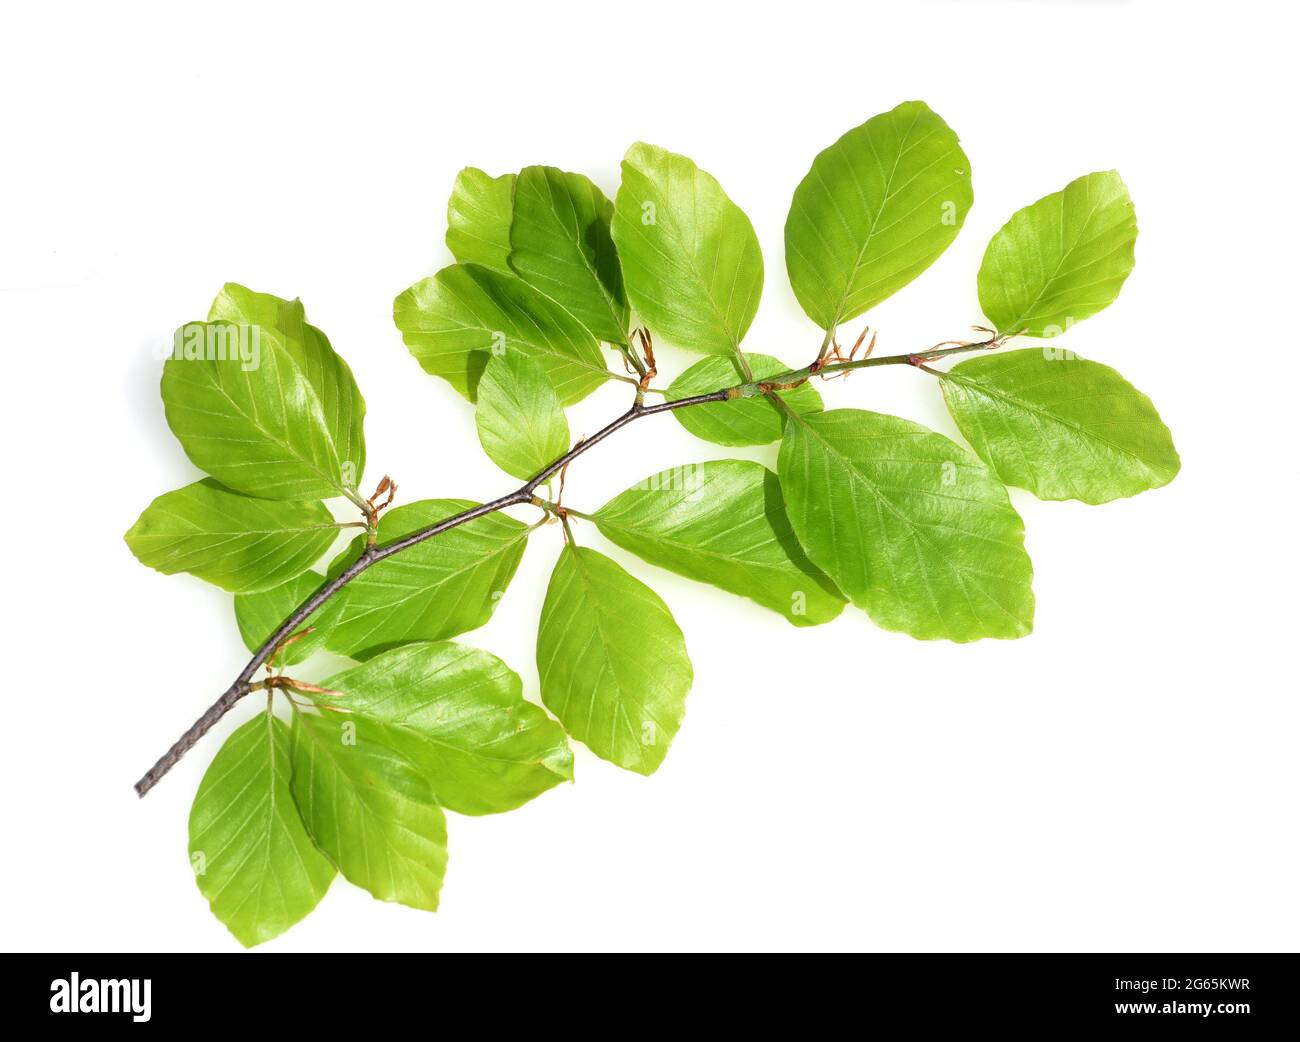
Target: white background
<point x="1125" y="778"/>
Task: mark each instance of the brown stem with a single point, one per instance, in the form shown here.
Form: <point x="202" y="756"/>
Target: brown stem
<point x="373" y="554"/>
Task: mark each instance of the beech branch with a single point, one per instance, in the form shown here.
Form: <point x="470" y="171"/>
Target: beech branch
<point x="372" y="554"/>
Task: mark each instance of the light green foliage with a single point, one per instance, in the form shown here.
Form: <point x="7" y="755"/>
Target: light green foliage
<point x="458" y="319"/>
<point x="478" y="218"/>
<point x="236" y="542"/>
<point x="691" y="260"/>
<point x="520" y="419"/>
<point x="741" y="421"/>
<point x="437" y="588"/>
<point x="252" y="420"/>
<point x="916" y="530"/>
<point x="865" y="508"/>
<point x="259" y="400"/>
<point x="460" y="712"/>
<point x="1061" y="259"/>
<point x="369" y="806"/>
<point x="251" y="855"/>
<point x="612" y="661"/>
<point x="560" y="243"/>
<point x="723" y="523"/>
<point x="876" y="209"/>
<point x="1060" y="426"/>
<point x="329" y="376"/>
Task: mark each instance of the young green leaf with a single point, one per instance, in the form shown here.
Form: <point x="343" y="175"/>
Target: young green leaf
<point x="251" y="855"/>
<point x="433" y="590"/>
<point x="328" y="374"/>
<point x="369" y="807"/>
<point x="239" y="543"/>
<point x="691" y="260"/>
<point x="1061" y="259"/>
<point x="484" y="748"/>
<point x="1060" y="426"/>
<point x="520" y="420"/>
<point x="259" y="615"/>
<point x="454" y="322"/>
<point x="246" y="413"/>
<point x="911" y="526"/>
<point x="877" y="208"/>
<point x="741" y="421"/>
<point x="723" y="523"/>
<point x="478" y="218"/>
<point x="560" y="243"/>
<point x="612" y="661"/>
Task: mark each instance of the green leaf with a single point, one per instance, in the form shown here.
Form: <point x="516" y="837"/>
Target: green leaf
<point x="520" y="419"/>
<point x="369" y="807"/>
<point x="1060" y="426"/>
<point x="251" y="855"/>
<point x="560" y="244"/>
<point x="741" y="421"/>
<point x="246" y="413"/>
<point x="1061" y="259"/>
<point x="478" y="218"/>
<point x="911" y="526"/>
<point x="436" y="589"/>
<point x="328" y="374"/>
<point x="454" y="322"/>
<point x="691" y="261"/>
<point x="877" y="208"/>
<point x="463" y="713"/>
<point x="259" y="615"/>
<point x="612" y="661"/>
<point x="723" y="523"/>
<point x="239" y="543"/>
